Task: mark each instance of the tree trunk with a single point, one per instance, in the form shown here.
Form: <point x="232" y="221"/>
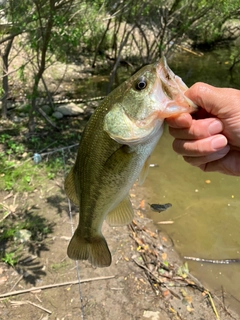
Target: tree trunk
<point x="41" y="60"/>
<point x="5" y="86"/>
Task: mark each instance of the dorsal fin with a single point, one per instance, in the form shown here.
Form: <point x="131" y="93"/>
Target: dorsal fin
<point x="69" y="187"/>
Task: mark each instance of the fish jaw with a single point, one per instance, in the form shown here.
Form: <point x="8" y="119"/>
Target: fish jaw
<point x="173" y="88"/>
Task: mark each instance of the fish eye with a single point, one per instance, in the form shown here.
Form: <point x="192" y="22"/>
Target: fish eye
<point x="141" y="83"/>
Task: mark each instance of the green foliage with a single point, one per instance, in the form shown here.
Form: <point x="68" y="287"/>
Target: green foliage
<point x="16" y="175"/>
<point x="10" y="258"/>
<point x="7" y="234"/>
<point x="20" y="173"/>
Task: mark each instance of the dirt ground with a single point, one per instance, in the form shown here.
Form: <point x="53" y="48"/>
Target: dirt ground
<point x="138" y="284"/>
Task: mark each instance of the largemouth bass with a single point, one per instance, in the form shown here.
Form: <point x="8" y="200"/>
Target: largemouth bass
<point x="114" y="152"/>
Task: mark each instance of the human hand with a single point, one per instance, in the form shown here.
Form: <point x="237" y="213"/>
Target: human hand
<point x="210" y="141"/>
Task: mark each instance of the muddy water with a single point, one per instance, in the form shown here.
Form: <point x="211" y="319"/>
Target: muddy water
<point x="206" y="214"/>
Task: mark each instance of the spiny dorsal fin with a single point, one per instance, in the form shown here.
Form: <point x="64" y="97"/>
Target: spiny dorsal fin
<point x="70" y="188"/>
<point x="122" y="214"/>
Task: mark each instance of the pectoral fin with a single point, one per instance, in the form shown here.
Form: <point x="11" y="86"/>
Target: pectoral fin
<point x="144" y="172"/>
<point x="122" y="214"/>
<point x="70" y="188"/>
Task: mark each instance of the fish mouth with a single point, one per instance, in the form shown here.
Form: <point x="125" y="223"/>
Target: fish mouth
<point x="173" y="89"/>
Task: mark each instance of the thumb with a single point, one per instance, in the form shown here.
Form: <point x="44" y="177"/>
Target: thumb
<point x="210" y="98"/>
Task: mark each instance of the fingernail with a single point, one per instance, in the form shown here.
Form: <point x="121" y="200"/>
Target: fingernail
<point x="219" y="142"/>
<point x="215" y="127"/>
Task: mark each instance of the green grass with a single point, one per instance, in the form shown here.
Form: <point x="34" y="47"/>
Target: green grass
<point x="20" y="175"/>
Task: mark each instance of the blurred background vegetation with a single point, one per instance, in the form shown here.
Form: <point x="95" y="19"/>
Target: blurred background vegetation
<point x="131" y="31"/>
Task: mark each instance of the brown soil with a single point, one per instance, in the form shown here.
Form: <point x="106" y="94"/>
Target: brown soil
<point x="137" y="290"/>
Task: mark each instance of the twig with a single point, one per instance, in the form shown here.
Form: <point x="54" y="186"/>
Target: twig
<point x="50" y="286"/>
<point x="32" y="303"/>
<point x="8" y="214"/>
<point x="165" y="222"/>
<point x="190" y="51"/>
<point x="212" y="304"/>
<point x="46" y="117"/>
<point x="16" y="283"/>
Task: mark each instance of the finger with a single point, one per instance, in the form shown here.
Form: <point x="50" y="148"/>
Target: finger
<point x="228" y="165"/>
<point x="199" y="129"/>
<point x="200" y="161"/>
<point x="184" y="120"/>
<point x="198" y="148"/>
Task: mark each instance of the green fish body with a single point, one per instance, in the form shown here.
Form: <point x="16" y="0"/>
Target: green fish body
<point x="114" y="152"/>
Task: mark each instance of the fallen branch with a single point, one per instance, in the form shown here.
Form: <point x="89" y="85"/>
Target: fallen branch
<point x="190" y="51"/>
<point x="50" y="286"/>
<point x="32" y="303"/>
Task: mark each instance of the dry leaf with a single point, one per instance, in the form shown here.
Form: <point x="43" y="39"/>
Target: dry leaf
<point x="3" y="279"/>
<point x="189" y="309"/>
<point x="166" y="293"/>
<point x="142" y="205"/>
<point x="164" y="256"/>
<point x="172" y="310"/>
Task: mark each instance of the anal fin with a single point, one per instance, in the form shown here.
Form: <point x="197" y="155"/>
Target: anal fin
<point x="122" y="214"/>
<point x="144" y="171"/>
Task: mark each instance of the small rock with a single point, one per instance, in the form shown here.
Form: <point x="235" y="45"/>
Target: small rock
<point x="22" y="115"/>
<point x="152" y="315"/>
<point x="57" y="115"/>
<point x="16" y="119"/>
<point x="47" y="109"/>
<point x="231" y="29"/>
<point x="70" y="109"/>
<point x="22" y="236"/>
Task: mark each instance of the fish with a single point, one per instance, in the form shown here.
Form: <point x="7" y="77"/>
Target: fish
<point x="114" y="152"/>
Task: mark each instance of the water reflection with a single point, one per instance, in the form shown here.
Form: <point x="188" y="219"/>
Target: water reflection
<point x="212" y="67"/>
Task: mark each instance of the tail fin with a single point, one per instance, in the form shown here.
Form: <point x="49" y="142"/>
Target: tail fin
<point x="95" y="251"/>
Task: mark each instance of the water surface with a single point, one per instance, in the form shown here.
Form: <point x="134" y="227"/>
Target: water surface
<point x="206" y="214"/>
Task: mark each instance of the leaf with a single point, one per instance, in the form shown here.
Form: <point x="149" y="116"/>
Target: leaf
<point x="164" y="256"/>
<point x="166" y="293"/>
<point x="189" y="309"/>
<point x="183" y="271"/>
